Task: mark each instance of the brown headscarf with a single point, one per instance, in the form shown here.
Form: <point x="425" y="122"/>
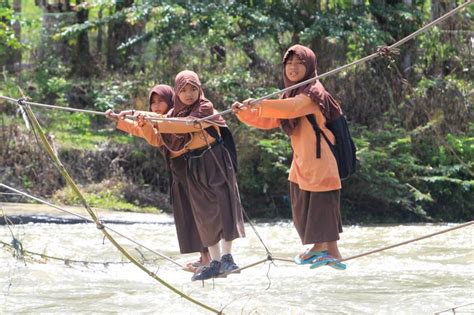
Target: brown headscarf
<point x="315" y="90"/>
<point x="164" y="92"/>
<point x="200" y="109"/>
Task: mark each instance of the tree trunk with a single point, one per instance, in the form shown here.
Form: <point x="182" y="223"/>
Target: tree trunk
<point x="119" y="31"/>
<point x="218" y="55"/>
<point x="378" y="2"/>
<point x="100" y="34"/>
<point x="258" y="63"/>
<point x="440" y="7"/>
<point x="55" y="16"/>
<point x="16" y="58"/>
<point x="406" y="62"/>
<point x="83" y="64"/>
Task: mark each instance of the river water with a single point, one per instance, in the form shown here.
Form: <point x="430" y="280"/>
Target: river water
<point x="424" y="277"/>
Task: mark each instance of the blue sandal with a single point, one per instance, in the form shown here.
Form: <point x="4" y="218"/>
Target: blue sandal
<point x="328" y="260"/>
<point x="312" y="256"/>
<point x="336" y="264"/>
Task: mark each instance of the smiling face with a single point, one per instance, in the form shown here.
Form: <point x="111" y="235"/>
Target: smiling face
<point x="295" y="69"/>
<point x="158" y="105"/>
<point x="189" y="94"/>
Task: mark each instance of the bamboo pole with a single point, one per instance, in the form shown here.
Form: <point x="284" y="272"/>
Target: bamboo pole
<point x="36" y="126"/>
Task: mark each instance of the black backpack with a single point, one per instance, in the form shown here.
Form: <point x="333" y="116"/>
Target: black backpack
<point x="344" y="150"/>
<point x="228" y="141"/>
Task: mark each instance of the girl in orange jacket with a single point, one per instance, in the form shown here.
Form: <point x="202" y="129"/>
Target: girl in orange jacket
<point x="314" y="178"/>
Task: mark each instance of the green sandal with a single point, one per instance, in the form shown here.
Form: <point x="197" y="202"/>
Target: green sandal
<point x="312" y="256"/>
<point x="328" y="260"/>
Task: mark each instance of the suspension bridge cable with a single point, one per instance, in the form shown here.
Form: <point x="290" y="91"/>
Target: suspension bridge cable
<point x="381" y="51"/>
<point x="22" y="101"/>
<point x="453" y="309"/>
<point x="395" y="245"/>
<point x="65" y="260"/>
<point x="409" y="241"/>
<point x="49" y="150"/>
<point x="90" y="220"/>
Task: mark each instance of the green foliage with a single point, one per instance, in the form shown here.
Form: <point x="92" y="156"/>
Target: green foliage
<point x="9" y="44"/>
<point x="72" y="31"/>
<point x="263" y="173"/>
<point x="413" y="126"/>
<point x="113" y="94"/>
<point x="277" y="151"/>
<point x="9" y="84"/>
<point x="392" y="177"/>
<point x="380" y="183"/>
<point x="50" y="81"/>
<point x="362" y="35"/>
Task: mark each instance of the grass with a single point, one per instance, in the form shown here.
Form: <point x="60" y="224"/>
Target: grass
<point x="109" y="201"/>
<point x="75" y="131"/>
<point x="72" y="130"/>
<point x="104" y="195"/>
<point x="87" y="140"/>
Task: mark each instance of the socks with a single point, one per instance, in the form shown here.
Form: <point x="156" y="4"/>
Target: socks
<point x="226" y="247"/>
<point x="215" y="252"/>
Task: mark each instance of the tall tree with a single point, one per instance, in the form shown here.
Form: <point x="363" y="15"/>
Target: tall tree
<point x="82" y="60"/>
<point x="16" y="57"/>
<point x="406" y="62"/>
<point x="100" y="33"/>
<point x="55" y="15"/>
<point x="440" y="7"/>
<point x="119" y="32"/>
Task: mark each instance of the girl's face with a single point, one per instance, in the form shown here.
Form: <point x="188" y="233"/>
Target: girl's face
<point x="295" y="68"/>
<point x="158" y="106"/>
<point x="189" y="94"/>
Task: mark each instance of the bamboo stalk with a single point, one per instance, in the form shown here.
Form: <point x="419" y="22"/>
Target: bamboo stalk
<point x="70" y="181"/>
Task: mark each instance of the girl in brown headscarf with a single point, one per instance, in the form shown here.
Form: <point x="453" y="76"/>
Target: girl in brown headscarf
<point x="209" y="165"/>
<point x="211" y="177"/>
<point x="160" y="102"/>
<point x="314" y="181"/>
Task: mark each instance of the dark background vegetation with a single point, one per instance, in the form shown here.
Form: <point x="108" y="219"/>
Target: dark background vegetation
<point x="410" y="114"/>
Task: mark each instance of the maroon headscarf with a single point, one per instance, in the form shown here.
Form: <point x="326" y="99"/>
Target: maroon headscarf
<point x="200" y="109"/>
<point x="315" y="90"/>
<point x="164" y="92"/>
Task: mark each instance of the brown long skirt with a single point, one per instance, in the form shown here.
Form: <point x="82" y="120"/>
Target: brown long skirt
<point x="188" y="236"/>
<point x="214" y="195"/>
<point x="316" y="215"/>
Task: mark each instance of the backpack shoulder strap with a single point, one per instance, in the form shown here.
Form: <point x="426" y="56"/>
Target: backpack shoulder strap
<point x="212" y="132"/>
<point x="319" y="132"/>
<point x="227" y="139"/>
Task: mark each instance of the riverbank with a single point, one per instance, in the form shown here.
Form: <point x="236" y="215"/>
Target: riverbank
<point x="23" y="213"/>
